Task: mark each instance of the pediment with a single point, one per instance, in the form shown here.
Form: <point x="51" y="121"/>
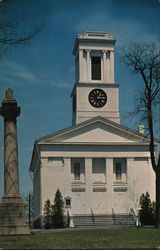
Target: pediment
<point x="99" y="130"/>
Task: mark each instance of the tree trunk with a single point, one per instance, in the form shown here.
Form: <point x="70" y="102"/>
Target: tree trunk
<point x="158" y="198"/>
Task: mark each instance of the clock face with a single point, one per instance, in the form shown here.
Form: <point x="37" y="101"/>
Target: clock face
<point x="97" y="98"/>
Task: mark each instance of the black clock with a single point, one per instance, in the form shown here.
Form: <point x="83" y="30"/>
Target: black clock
<point x="97" y="98"/>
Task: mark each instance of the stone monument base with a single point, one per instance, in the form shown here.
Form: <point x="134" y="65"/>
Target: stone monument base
<point x="12" y="216"/>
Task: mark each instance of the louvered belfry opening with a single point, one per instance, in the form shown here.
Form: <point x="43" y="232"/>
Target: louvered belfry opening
<point x="96" y="67"/>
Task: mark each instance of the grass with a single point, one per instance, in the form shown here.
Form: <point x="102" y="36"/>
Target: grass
<point x="98" y="238"/>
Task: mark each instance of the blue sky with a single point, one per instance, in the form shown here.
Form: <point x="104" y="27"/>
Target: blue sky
<point x="42" y="72"/>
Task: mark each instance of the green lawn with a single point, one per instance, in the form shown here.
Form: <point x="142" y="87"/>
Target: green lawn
<point x="99" y="238"/>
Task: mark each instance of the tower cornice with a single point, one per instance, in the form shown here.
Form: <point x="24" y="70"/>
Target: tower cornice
<point x="93" y="36"/>
<point x="9" y="109"/>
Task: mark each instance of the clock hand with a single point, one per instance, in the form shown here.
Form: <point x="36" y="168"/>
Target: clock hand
<point x="100" y="97"/>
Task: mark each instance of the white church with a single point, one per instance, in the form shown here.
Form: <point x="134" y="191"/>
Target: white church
<point x="100" y="166"/>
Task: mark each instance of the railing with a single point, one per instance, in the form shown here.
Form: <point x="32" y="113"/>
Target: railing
<point x="135" y="215"/>
<point x="70" y="218"/>
<point x="113" y="216"/>
<point x="92" y="217"/>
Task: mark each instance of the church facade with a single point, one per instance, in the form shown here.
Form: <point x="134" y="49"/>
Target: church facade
<point x="100" y="166"/>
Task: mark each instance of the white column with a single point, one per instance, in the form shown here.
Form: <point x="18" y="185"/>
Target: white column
<point x="110" y="180"/>
<point x="112" y="66"/>
<point x="104" y="74"/>
<point x="80" y="65"/>
<point x="131" y="183"/>
<point x="88" y="172"/>
<point x="88" y="75"/>
<point x="107" y="69"/>
<point x="67" y="178"/>
<point x="103" y="66"/>
<point x="88" y="181"/>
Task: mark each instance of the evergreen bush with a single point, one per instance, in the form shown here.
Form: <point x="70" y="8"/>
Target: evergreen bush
<point x="147" y="212"/>
<point x="57" y="214"/>
<point x="47" y="215"/>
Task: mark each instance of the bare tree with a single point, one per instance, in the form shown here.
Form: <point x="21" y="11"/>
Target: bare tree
<point x="15" y="28"/>
<point x="144" y="60"/>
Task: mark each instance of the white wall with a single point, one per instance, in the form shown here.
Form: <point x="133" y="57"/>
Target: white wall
<point x="139" y="179"/>
<point x="37" y="193"/>
<point x="52" y="178"/>
<point x="86" y="111"/>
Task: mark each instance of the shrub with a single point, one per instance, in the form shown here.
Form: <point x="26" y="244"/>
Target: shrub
<point x="153" y="204"/>
<point x="147" y="212"/>
<point x="57" y="214"/>
<point x="47" y="215"/>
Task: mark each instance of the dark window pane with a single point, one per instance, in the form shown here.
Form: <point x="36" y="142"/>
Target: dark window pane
<point x="77" y="171"/>
<point x="96" y="68"/>
<point x="118" y="171"/>
<point x="68" y="202"/>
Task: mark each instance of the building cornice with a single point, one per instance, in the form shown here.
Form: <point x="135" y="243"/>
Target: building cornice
<point x="93" y="36"/>
<point x="94" y="84"/>
<point x="97" y="143"/>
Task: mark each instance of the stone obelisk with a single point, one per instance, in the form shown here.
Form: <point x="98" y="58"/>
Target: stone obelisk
<point x="12" y="209"/>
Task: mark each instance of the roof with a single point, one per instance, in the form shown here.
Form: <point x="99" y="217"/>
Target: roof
<point x="86" y="123"/>
<point x="53" y="138"/>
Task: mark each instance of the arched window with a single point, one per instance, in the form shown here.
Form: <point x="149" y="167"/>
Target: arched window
<point x="68" y="202"/>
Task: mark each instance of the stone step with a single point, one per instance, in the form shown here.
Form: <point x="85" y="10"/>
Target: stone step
<point x="104" y="220"/>
<point x="105" y="226"/>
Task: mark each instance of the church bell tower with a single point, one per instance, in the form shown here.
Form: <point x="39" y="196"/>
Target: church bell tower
<point x="95" y="92"/>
